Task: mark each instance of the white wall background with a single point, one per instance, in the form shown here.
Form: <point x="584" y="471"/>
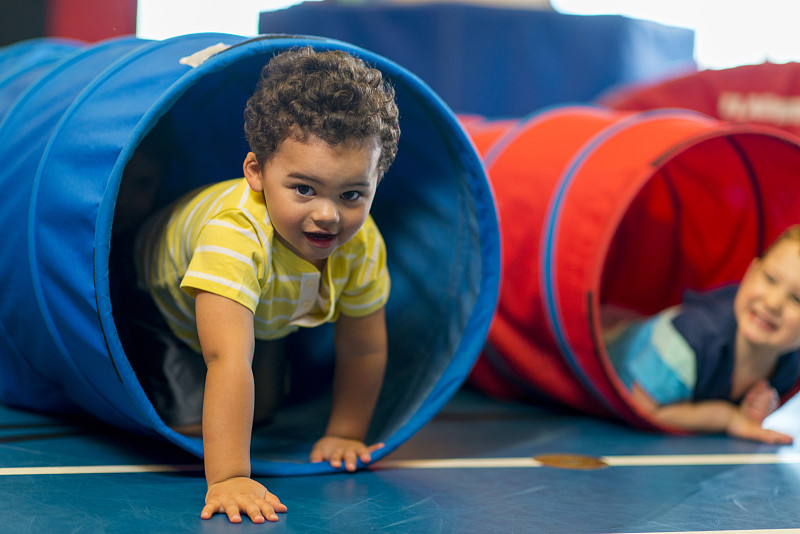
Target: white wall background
<point x="161" y="19"/>
<point x="728" y="33"/>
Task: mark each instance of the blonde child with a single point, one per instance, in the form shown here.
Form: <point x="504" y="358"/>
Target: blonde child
<point x="718" y="362"/>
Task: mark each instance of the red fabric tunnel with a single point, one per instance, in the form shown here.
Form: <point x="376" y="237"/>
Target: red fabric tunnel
<point x="767" y="93"/>
<point x="630" y="209"/>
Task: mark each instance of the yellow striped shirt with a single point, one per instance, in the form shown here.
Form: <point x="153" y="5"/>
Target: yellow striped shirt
<point x="219" y="239"/>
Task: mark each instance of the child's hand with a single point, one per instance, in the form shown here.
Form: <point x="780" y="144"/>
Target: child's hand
<point x="760" y="401"/>
<point x="742" y="426"/>
<point x="242" y="494"/>
<point x="337" y="450"/>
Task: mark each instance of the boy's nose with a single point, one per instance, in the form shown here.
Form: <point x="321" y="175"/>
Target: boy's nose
<point x="774" y="300"/>
<point x="325" y="212"/>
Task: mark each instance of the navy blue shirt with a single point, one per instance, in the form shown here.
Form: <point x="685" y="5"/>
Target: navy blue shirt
<point x="708" y="324"/>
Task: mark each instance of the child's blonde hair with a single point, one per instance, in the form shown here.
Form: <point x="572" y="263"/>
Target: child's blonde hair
<point x="790" y="234"/>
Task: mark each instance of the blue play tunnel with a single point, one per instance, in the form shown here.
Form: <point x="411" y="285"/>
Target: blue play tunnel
<point x="66" y="142"/>
<point x="23" y="63"/>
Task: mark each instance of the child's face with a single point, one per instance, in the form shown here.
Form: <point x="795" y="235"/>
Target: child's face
<point x="767" y="305"/>
<point x="318" y="196"/>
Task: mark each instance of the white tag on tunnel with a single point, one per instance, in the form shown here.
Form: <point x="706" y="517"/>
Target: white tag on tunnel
<point x="201" y="55"/>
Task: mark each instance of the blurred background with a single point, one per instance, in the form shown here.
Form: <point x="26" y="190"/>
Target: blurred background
<point x="727" y="32"/>
<point x="495" y="58"/>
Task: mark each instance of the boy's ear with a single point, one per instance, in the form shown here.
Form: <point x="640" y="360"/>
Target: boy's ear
<point x="252" y="172"/>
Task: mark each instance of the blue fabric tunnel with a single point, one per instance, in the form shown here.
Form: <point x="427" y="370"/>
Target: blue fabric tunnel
<point x="66" y="142"/>
<point x="23" y="63"/>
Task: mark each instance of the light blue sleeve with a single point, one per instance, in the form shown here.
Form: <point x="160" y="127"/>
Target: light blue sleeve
<point x="653" y="354"/>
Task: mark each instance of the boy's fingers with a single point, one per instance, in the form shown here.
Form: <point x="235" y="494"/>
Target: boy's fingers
<point x="366" y="455"/>
<point x="336" y="459"/>
<point x="209" y="509"/>
<point x="771" y="436"/>
<point x="212" y="507"/>
<point x="273" y="501"/>
<point x="350" y="460"/>
<point x="778" y="437"/>
<point x="254" y="512"/>
<point x="377" y="446"/>
<point x="232" y="511"/>
<point x="267" y="511"/>
<point x="346" y="456"/>
<point x="270" y="505"/>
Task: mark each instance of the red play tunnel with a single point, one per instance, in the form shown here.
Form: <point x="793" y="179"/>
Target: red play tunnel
<point x="605" y="207"/>
<point x="767" y="94"/>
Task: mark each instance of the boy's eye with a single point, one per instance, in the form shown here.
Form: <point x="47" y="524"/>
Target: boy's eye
<point x="769" y="278"/>
<point x="795" y="298"/>
<point x="351" y="195"/>
<point x="304" y="190"/>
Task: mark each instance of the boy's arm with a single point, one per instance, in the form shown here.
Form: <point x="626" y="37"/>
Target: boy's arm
<point x="226" y="335"/>
<point x="714" y="416"/>
<point x="361" y="352"/>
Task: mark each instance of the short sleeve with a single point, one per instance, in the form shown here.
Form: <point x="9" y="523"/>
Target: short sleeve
<point x="708" y="325"/>
<point x="228" y="260"/>
<point x="654" y="355"/>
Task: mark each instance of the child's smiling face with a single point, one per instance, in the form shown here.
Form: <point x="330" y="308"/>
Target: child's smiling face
<point x="767" y="305"/>
<point x="318" y="195"/>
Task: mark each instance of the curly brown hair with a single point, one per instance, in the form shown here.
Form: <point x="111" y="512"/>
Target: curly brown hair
<point x="327" y="94"/>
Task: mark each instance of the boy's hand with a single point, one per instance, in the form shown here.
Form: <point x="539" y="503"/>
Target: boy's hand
<point x="742" y="426"/>
<point x="242" y="494"/>
<point x="760" y="401"/>
<point x="337" y="450"/>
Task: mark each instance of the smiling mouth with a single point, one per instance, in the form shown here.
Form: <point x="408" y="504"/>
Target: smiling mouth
<point x="763" y="322"/>
<point x="320" y="240"/>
